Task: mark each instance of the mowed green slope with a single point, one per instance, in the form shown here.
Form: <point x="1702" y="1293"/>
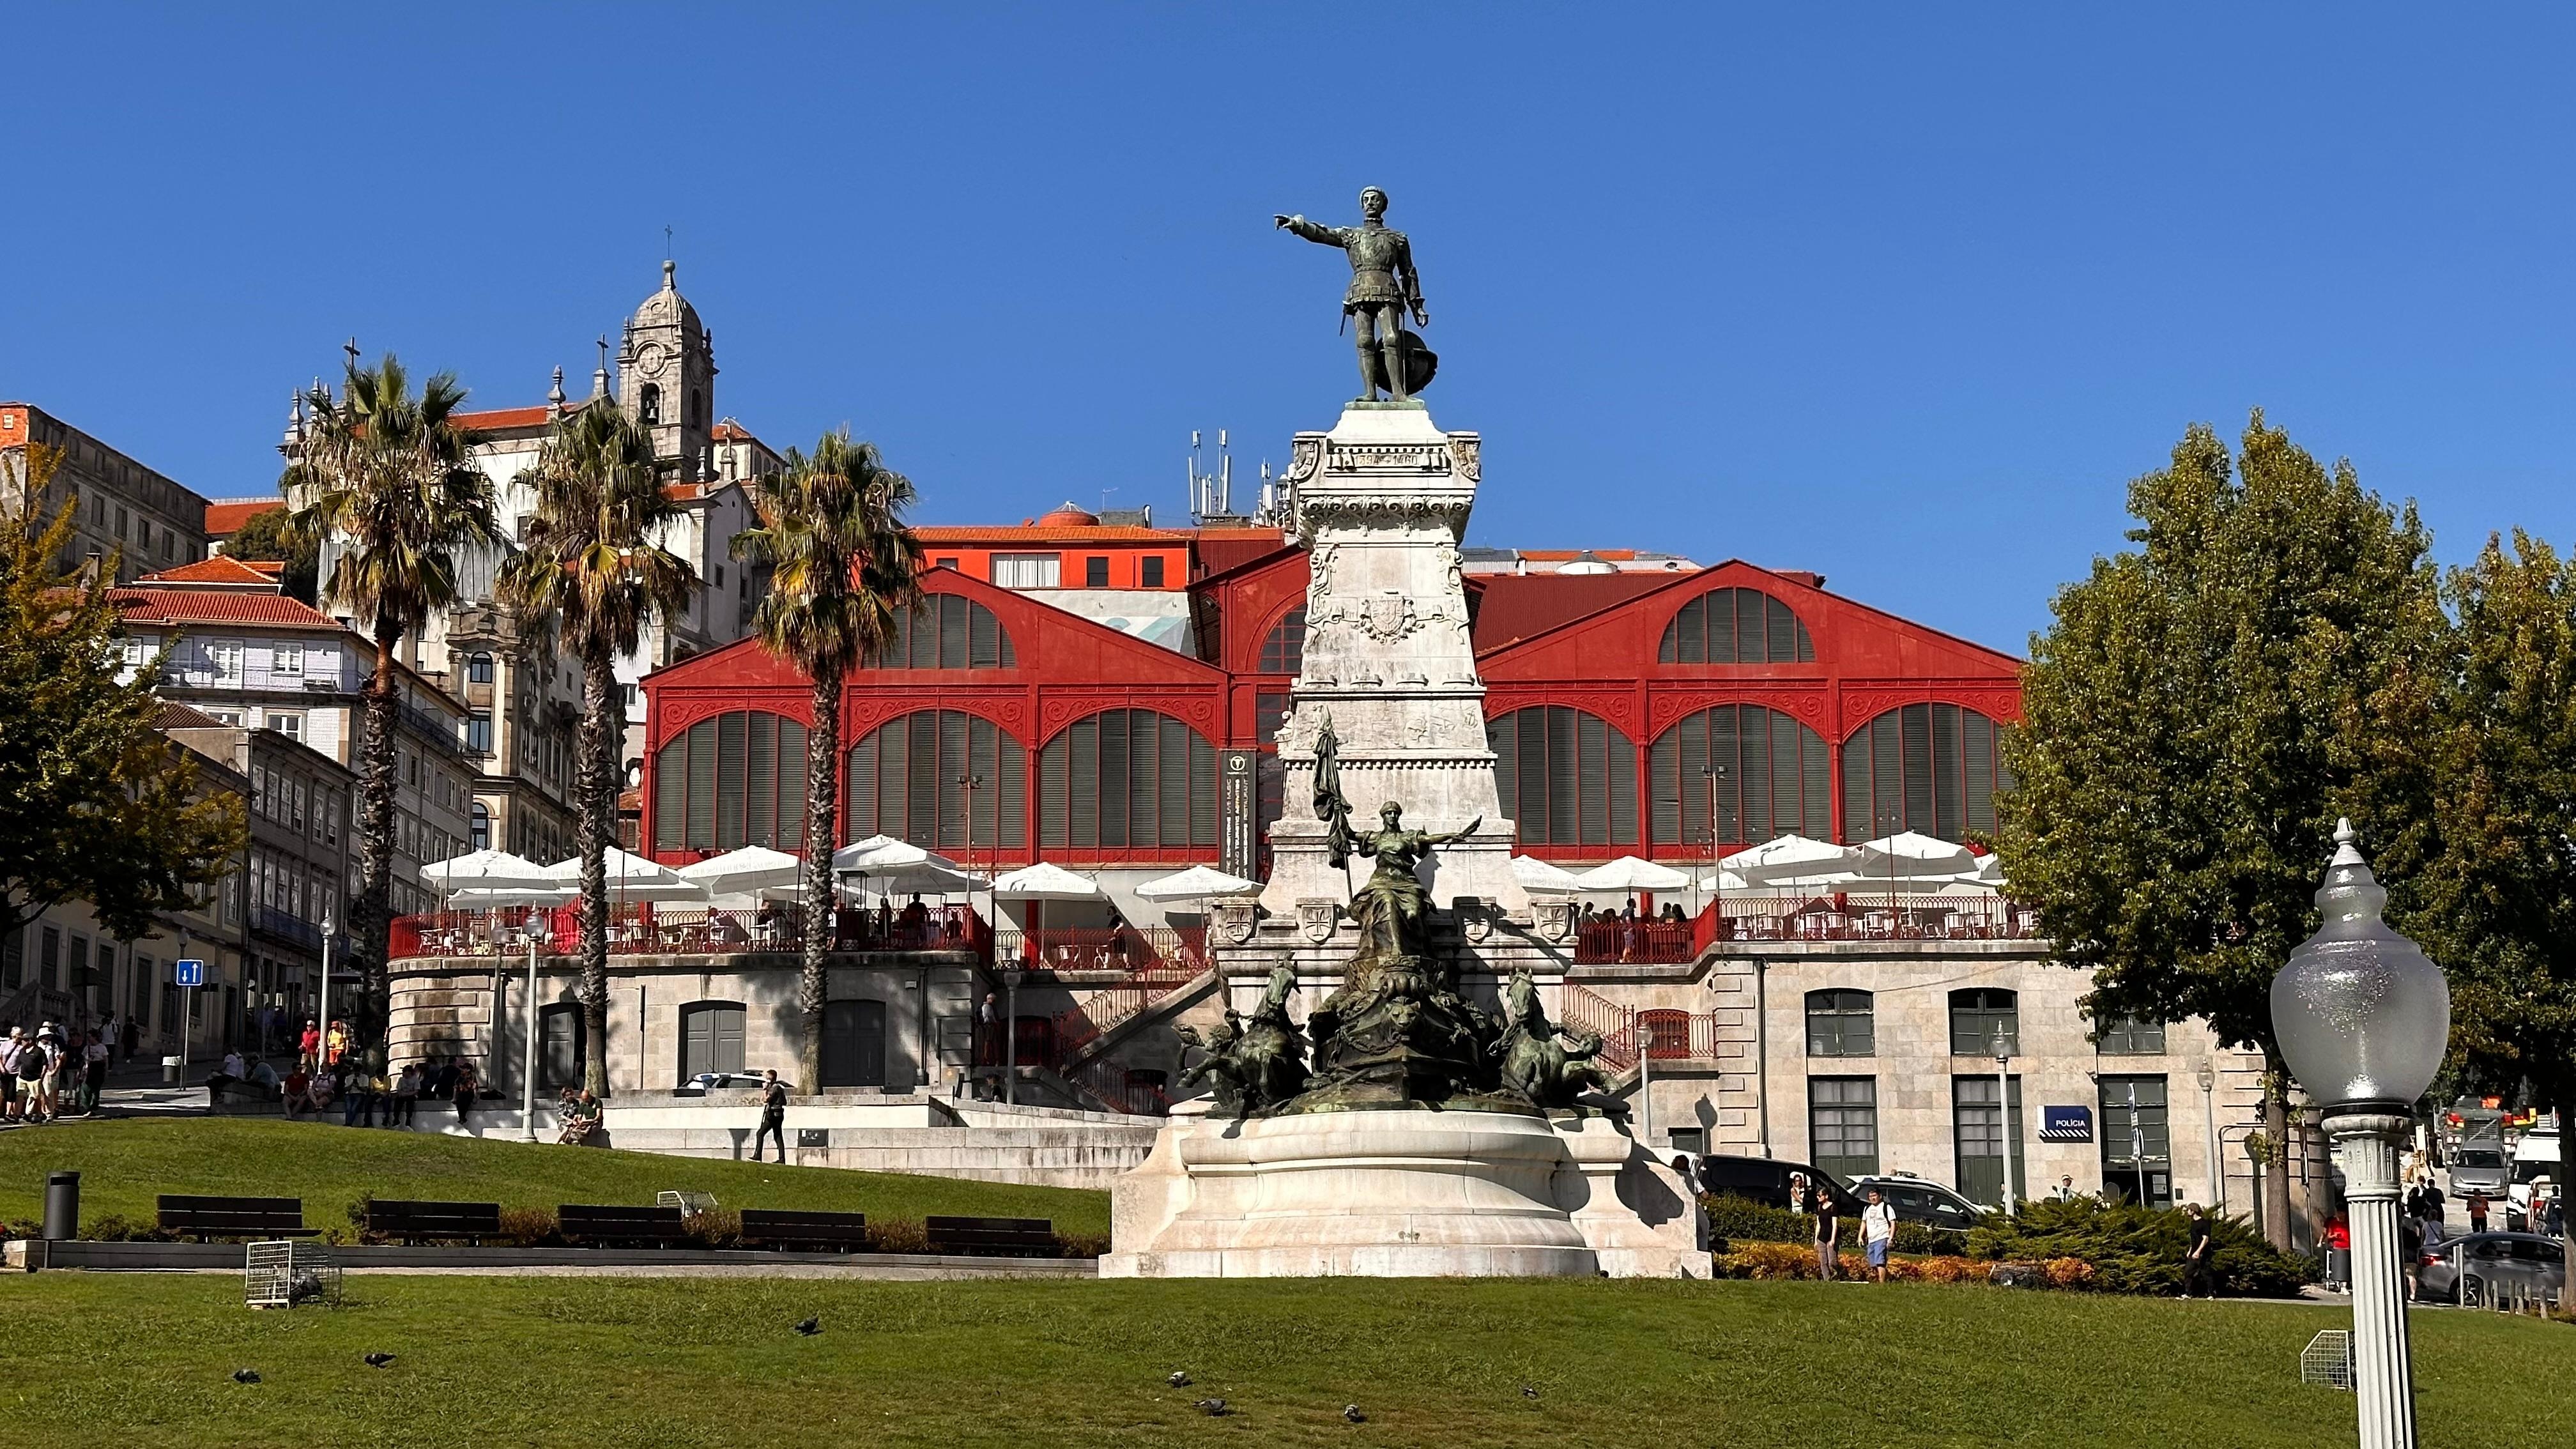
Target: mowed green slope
<point x="125" y="1164"/>
<point x="591" y="1362"/>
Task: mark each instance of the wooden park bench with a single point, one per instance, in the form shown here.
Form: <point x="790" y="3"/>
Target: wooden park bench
<point x="836" y="1232"/>
<point x="1002" y="1237"/>
<point x="234" y="1217"/>
<point x="415" y="1222"/>
<point x="596" y="1226"/>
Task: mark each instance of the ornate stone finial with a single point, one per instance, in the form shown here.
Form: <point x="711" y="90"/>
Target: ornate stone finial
<point x="2346" y="853"/>
<point x="555" y="394"/>
<point x="670" y="275"/>
<point x="599" y="379"/>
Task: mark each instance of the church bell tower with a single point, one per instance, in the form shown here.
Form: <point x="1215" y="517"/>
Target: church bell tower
<point x="666" y="378"/>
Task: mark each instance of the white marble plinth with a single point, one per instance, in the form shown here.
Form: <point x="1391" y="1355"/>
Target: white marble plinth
<point x="1401" y="1194"/>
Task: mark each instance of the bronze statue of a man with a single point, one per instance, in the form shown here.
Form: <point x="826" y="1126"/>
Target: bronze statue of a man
<point x="1384" y="286"/>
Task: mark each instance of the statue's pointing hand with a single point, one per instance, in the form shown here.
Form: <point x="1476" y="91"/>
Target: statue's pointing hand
<point x="1283" y="220"/>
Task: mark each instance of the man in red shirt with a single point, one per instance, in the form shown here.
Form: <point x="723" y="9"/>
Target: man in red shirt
<point x="309" y="1048"/>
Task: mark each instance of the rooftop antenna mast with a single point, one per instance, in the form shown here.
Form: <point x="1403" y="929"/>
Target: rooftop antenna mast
<point x="1211" y="494"/>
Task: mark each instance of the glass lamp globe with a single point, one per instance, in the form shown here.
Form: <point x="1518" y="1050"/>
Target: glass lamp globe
<point x="2362" y="1014"/>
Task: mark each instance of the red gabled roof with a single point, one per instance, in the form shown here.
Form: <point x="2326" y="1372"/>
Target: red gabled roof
<point x="729" y="431"/>
<point x="221" y="571"/>
<point x="225" y="516"/>
<point x="218" y="606"/>
<point x="1224" y="549"/>
<point x="1512" y="607"/>
<point x="177" y="716"/>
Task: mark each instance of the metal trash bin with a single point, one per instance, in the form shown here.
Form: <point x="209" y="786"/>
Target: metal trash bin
<point x="169" y="1071"/>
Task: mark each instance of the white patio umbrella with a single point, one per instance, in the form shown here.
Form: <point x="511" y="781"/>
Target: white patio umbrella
<point x="1723" y="880"/>
<point x="1788" y="860"/>
<point x="480" y="870"/>
<point x="1044" y="882"/>
<point x="747" y="871"/>
<point x="1535" y="874"/>
<point x="1629" y="873"/>
<point x="1911" y="853"/>
<point x="482" y="899"/>
<point x="1199" y="882"/>
<point x="859" y="855"/>
<point x="631" y="878"/>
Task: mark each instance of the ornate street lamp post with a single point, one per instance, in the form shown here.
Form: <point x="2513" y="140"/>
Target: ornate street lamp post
<point x="2003" y="1110"/>
<point x="2364" y="1017"/>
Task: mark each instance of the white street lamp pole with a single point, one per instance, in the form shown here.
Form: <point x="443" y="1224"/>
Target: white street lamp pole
<point x="1645" y="1079"/>
<point x="2364" y="1019"/>
<point x="1010" y="1036"/>
<point x="322" y="1043"/>
<point x="2003" y="1113"/>
<point x="2209" y="1119"/>
<point x="528" y="1076"/>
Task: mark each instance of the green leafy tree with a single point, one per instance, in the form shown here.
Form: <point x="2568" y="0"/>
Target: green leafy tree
<point x="2269" y="655"/>
<point x="2499" y="900"/>
<point x="386" y="476"/>
<point x="95" y="804"/>
<point x="842" y="566"/>
<point x="592" y="572"/>
<point x="270" y="534"/>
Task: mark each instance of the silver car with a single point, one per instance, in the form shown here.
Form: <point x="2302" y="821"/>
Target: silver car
<point x="1919" y="1200"/>
<point x="2481" y="1165"/>
<point x="2485" y="1267"/>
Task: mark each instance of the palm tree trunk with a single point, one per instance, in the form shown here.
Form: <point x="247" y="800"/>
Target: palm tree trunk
<point x="371" y="916"/>
<point x="594" y="828"/>
<point x="2276" y="1126"/>
<point x="822" y="837"/>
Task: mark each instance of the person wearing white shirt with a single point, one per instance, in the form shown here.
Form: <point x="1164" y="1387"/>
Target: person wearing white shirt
<point x="1877" y="1233"/>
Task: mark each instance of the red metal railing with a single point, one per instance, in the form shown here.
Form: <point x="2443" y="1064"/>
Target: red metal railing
<point x="1122" y="948"/>
<point x="1674" y="1035"/>
<point x="1607" y="939"/>
<point x="1167" y="960"/>
<point x="1858" y="916"/>
<point x="641" y="930"/>
<point x="1581" y="1010"/>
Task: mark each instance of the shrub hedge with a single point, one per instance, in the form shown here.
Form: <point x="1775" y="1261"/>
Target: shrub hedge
<point x="2138" y="1249"/>
<point x="1742" y="1220"/>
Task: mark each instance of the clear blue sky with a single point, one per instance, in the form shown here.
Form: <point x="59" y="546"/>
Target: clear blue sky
<point x="1902" y="296"/>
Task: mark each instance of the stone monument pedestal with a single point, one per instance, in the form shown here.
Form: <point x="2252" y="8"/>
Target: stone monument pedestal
<point x="1402" y="1193"/>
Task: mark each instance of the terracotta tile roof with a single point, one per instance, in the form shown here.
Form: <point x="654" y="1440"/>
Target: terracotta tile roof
<point x="1007" y="535"/>
<point x="219" y="606"/>
<point x="1516" y="606"/>
<point x="730" y="431"/>
<point x="177" y="716"/>
<point x="273" y="567"/>
<point x="225" y="516"/>
<point x="220" y="571"/>
<point x="501" y="420"/>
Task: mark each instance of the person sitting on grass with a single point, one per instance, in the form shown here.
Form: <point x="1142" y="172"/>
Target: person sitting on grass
<point x="298" y="1093"/>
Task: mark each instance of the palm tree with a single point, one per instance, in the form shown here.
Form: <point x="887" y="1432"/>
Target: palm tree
<point x="591" y="571"/>
<point x="842" y="567"/>
<point x="385" y="479"/>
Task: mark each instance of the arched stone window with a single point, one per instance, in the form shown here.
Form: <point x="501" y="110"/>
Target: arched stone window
<point x="1931" y="768"/>
<point x="1567" y="777"/>
<point x="1736" y="626"/>
<point x="948" y="631"/>
<point x="1284" y="650"/>
<point x="1842" y="1023"/>
<point x="1127" y="779"/>
<point x="648" y="404"/>
<point x="735" y="779"/>
<point x="1774" y="777"/>
<point x="480" y="829"/>
<point x="903" y="780"/>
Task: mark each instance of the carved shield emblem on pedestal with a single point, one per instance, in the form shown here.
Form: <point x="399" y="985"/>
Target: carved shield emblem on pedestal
<point x="1475" y="919"/>
<point x="1234" y="921"/>
<point x="1387" y="616"/>
<point x="1315" y="915"/>
<point x="1555" y="919"/>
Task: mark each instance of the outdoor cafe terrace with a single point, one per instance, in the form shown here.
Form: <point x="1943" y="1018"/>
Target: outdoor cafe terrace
<point x="661" y="929"/>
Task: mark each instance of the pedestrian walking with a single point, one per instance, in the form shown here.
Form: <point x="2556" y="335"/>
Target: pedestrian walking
<point x="308" y="1048"/>
<point x="1828" y="1230"/>
<point x="10" y="1048"/>
<point x="2195" y="1259"/>
<point x="773" y="1115"/>
<point x="1877" y="1233"/>
<point x="31" y="1080"/>
<point x="405" y="1100"/>
<point x="2065" y="1188"/>
<point x="2477" y="1212"/>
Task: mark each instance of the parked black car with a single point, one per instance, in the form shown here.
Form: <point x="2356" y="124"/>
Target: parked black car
<point x="1766" y="1180"/>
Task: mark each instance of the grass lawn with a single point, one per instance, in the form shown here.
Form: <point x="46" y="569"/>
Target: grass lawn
<point x="125" y="1163"/>
<point x="130" y="1360"/>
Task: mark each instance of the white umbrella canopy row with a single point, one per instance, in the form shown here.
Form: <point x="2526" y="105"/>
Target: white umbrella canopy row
<point x="480" y="870"/>
<point x="1199" y="882"/>
<point x="1044" y="882"/>
<point x="630" y="878"/>
<point x="1628" y="874"/>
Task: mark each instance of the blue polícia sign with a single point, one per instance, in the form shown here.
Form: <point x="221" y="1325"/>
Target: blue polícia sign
<point x="190" y="972"/>
<point x="2066" y="1124"/>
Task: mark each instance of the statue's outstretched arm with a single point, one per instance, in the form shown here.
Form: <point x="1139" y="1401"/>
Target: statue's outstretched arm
<point x="1455" y="835"/>
<point x="1313" y="231"/>
<point x="1410" y="277"/>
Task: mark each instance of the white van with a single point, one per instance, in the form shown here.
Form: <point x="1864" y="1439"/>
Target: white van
<point x="2535" y="1157"/>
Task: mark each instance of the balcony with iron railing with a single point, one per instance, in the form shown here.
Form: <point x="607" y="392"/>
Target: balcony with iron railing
<point x="667" y="930"/>
<point x="286" y="926"/>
